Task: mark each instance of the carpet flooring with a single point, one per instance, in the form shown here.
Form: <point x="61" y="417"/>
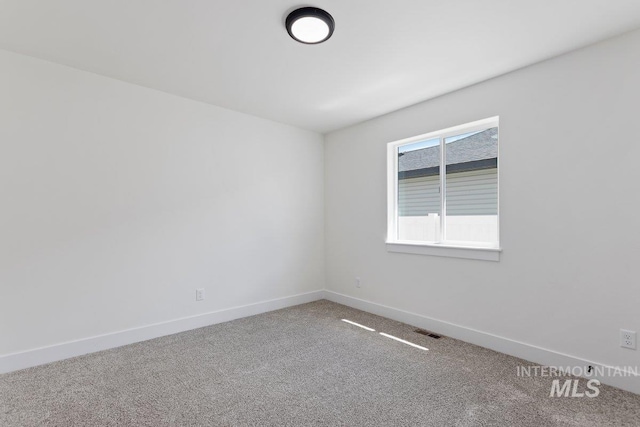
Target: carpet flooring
<point x="296" y="367"/>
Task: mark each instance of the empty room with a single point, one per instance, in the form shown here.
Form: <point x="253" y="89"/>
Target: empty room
<point x="355" y="213"/>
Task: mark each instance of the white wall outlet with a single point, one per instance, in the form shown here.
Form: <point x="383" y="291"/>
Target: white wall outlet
<point x="358" y="282"/>
<point x="627" y="339"/>
<point x="200" y="294"/>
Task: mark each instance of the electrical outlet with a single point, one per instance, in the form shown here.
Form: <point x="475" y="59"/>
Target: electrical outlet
<point x="628" y="339"/>
<point x="200" y="294"/>
<point x="358" y="283"/>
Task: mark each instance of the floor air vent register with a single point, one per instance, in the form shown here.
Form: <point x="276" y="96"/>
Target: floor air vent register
<point x="428" y="333"/>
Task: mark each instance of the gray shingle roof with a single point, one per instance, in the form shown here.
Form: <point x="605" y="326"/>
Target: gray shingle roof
<point x="479" y="146"/>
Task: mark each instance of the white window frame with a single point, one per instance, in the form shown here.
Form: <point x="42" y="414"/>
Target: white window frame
<point x="456" y="249"/>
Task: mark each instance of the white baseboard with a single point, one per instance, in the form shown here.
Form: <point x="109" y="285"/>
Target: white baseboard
<point x="40" y="356"/>
<point x="538" y="355"/>
<point x="545" y="357"/>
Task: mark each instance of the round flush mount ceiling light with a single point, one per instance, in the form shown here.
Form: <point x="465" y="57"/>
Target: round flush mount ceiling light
<point x="310" y="25"/>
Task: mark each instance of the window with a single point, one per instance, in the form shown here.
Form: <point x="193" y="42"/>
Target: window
<point x="452" y="207"/>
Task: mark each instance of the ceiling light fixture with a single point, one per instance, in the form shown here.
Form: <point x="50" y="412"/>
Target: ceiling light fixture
<point x="310" y="25"/>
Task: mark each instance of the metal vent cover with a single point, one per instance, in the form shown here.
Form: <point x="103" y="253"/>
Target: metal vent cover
<point x="428" y="333"/>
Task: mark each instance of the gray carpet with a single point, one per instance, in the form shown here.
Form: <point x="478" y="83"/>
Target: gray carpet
<point x="299" y="366"/>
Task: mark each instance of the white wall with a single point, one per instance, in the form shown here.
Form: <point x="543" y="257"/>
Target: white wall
<point x="117" y="202"/>
<point x="568" y="141"/>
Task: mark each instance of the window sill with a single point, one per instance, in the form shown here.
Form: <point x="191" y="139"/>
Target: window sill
<point x="445" y="250"/>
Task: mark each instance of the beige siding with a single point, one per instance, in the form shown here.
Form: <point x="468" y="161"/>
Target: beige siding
<point x="468" y="193"/>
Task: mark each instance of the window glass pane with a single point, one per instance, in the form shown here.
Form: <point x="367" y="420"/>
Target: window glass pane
<point x="419" y="191"/>
<point x="471" y="187"/>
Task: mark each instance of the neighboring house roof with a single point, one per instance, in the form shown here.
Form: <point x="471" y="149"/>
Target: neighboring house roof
<point x="477" y="151"/>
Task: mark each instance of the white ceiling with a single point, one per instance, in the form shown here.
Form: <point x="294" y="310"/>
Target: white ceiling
<point x="384" y="55"/>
